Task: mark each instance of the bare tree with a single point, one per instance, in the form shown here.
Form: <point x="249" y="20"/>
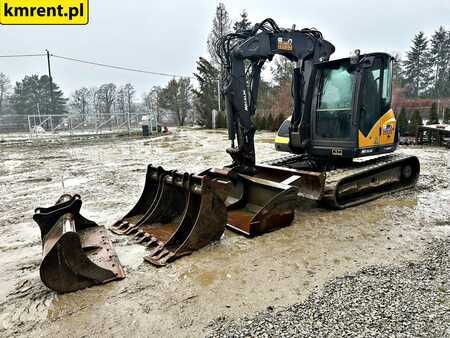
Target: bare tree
<point x="129" y="96"/>
<point x="4" y="89"/>
<point x="80" y="100"/>
<point x="184" y="99"/>
<point x="93" y="99"/>
<point x="120" y="100"/>
<point x="106" y="96"/>
<point x="152" y="102"/>
<point x="221" y="26"/>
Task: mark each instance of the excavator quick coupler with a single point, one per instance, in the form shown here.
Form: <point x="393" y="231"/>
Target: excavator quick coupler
<point x="77" y="252"/>
<point x="256" y="205"/>
<point x="176" y="214"/>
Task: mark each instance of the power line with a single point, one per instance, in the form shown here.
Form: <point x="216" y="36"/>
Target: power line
<point x="20" y="55"/>
<point x="119" y="67"/>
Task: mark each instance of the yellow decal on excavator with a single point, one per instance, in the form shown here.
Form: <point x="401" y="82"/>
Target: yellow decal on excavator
<point x="282" y="140"/>
<point x="382" y="132"/>
<point x="283" y="44"/>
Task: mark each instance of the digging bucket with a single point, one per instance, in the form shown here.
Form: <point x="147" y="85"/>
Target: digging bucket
<point x="167" y="211"/>
<point x="77" y="253"/>
<point x="203" y="221"/>
<point x="145" y="205"/>
<point x="256" y="205"/>
<point x="186" y="212"/>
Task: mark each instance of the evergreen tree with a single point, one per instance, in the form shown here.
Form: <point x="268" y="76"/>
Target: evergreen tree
<point x="222" y="120"/>
<point x="242" y="24"/>
<point x="447" y="115"/>
<point x="403" y="123"/>
<point x="176" y="97"/>
<point x="433" y="117"/>
<point x="205" y="95"/>
<point x="440" y="61"/>
<point x="397" y="71"/>
<point x="278" y="121"/>
<point x="269" y="123"/>
<point x="221" y="26"/>
<point x="416" y="120"/>
<point x="263" y="123"/>
<point x="32" y="96"/>
<point x="4" y="90"/>
<point x="256" y="121"/>
<point x="416" y="65"/>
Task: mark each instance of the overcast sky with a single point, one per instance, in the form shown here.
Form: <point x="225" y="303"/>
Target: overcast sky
<point x="169" y="36"/>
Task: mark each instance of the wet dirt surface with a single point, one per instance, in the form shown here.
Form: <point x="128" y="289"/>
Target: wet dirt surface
<point x="232" y="278"/>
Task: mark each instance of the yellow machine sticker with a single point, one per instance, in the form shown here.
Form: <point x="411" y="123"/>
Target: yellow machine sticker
<point x="382" y="132"/>
<point x="283" y="44"/>
<point x="44" y="12"/>
<point x="282" y="140"/>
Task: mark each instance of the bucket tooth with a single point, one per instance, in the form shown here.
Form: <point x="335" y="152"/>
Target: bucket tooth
<point x="77" y="252"/>
<point x="203" y="222"/>
<point x="143" y="239"/>
<point x="144" y="206"/>
<point x="153" y="241"/>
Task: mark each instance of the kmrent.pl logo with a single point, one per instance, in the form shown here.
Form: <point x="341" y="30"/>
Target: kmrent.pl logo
<point x="44" y="12"/>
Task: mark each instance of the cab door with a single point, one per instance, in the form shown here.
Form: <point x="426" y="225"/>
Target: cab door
<point x="376" y="122"/>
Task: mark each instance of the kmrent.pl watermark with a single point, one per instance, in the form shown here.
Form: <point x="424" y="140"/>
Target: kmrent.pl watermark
<point x="44" y="12"/>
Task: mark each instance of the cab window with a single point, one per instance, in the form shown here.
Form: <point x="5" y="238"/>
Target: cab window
<point x="375" y="95"/>
<point x="283" y="131"/>
<point x="334" y="112"/>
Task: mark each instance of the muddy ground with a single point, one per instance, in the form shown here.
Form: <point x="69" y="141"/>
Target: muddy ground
<point x="230" y="279"/>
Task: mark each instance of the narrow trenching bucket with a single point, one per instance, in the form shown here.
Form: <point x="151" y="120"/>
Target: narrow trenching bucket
<point x="256" y="205"/>
<point x="77" y="252"/>
<point x="183" y="213"/>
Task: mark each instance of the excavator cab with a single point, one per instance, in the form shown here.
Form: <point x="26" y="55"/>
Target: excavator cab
<point x="351" y="113"/>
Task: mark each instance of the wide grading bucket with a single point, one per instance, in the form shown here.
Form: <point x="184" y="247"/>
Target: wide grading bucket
<point x="77" y="252"/>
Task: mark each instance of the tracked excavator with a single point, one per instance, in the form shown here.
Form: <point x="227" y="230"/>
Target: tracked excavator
<point x="342" y="114"/>
<point x="341" y="134"/>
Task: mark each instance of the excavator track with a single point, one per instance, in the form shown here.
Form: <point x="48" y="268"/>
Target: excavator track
<point x="362" y="180"/>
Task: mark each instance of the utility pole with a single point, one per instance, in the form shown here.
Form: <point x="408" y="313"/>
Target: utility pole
<point x="218" y="94"/>
<point x="52" y="101"/>
<point x="222" y="14"/>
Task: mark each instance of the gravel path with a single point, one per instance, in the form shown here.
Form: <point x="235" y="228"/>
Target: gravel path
<point x="411" y="300"/>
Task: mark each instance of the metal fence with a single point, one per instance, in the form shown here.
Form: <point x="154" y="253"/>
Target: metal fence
<point x="78" y="124"/>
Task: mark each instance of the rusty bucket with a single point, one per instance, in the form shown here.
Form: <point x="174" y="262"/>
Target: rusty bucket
<point x="202" y="222"/>
<point x="256" y="205"/>
<point x="77" y="252"/>
<point x="150" y="195"/>
<point x="184" y="213"/>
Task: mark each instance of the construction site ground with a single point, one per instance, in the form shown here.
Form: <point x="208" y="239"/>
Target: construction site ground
<point x="227" y="287"/>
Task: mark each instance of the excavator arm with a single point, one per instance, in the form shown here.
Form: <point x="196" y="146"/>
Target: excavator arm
<point x="236" y="50"/>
